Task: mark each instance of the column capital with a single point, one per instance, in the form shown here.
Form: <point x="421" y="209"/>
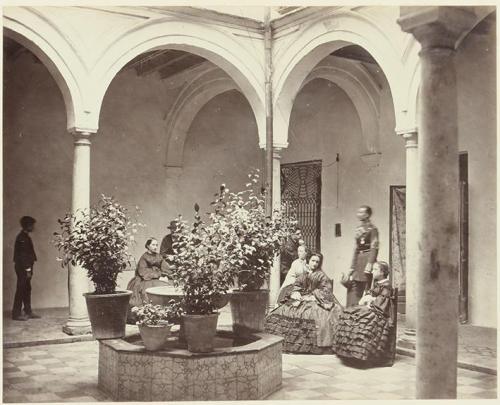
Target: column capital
<point x="410" y="136"/>
<point x="277" y="152"/>
<point x="81" y="137"/>
<point x="275" y="145"/>
<point x="437" y="26"/>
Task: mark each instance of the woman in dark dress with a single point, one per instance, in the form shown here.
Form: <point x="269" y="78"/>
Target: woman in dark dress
<point x="365" y="254"/>
<point x="307" y="316"/>
<point x="367" y="332"/>
<point x="150" y="268"/>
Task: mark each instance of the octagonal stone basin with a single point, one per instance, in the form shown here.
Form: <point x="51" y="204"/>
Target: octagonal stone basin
<point x="237" y="369"/>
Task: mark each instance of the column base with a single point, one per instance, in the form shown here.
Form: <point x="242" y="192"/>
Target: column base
<point x="408" y="340"/>
<point x="73" y="327"/>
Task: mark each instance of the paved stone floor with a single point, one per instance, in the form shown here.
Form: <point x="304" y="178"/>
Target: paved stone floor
<point x="477" y="346"/>
<point x="68" y="373"/>
<point x="42" y="371"/>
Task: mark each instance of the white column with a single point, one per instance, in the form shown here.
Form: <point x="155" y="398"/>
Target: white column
<point x="274" y="281"/>
<point x="412" y="230"/>
<point x="437" y="29"/>
<point x="78" y="283"/>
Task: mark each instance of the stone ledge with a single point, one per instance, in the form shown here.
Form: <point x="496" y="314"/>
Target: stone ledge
<point x="127" y="372"/>
<point x="460" y="364"/>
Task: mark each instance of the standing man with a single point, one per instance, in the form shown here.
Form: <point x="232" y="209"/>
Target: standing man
<point x="24" y="259"/>
<point x="365" y="254"/>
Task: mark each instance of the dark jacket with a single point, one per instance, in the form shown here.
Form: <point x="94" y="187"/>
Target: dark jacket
<point x="288" y="254"/>
<point x="24" y="252"/>
<point x="166" y="247"/>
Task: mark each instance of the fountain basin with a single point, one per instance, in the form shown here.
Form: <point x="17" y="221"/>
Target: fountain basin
<point x="237" y="369"/>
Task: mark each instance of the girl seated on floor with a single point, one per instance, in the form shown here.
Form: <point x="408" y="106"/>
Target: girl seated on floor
<point x="366" y="333"/>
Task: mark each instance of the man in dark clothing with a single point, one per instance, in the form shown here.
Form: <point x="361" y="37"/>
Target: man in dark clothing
<point x="166" y="247"/>
<point x="289" y="253"/>
<point x="24" y="259"/>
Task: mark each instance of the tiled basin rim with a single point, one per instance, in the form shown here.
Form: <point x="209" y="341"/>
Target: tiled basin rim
<point x="127" y="372"/>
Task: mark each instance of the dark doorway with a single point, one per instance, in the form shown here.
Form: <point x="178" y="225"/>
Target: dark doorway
<point x="397" y="247"/>
<point x="301" y="194"/>
<point x="463" y="228"/>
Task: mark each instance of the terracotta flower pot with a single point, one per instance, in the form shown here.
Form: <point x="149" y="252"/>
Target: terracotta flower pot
<point x="200" y="332"/>
<point x="154" y="337"/>
<point x="248" y="309"/>
<point x="108" y="313"/>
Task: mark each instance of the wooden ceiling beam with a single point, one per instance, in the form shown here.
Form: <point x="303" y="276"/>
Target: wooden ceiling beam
<point x="152" y="63"/>
<point x="179" y="64"/>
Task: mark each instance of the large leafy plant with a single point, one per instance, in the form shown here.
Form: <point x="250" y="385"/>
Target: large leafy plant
<point x="237" y="241"/>
<point x="252" y="239"/>
<point x="196" y="265"/>
<point x="98" y="239"/>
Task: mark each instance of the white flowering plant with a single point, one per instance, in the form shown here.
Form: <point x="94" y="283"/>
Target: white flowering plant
<point x="98" y="239"/>
<point x="251" y="238"/>
<point x="152" y="315"/>
<point x="236" y="243"/>
<point x="196" y="265"/>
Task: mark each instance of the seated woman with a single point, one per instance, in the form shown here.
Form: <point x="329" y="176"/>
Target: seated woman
<point x="366" y="333"/>
<point x="307" y="316"/>
<point x="150" y="268"/>
<point x="299" y="266"/>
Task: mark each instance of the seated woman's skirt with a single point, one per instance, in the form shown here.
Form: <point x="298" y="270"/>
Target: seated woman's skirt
<point x="307" y="328"/>
<point x="138" y="286"/>
<point x="364" y="333"/>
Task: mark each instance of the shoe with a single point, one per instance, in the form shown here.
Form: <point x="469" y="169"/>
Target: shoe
<point x="33" y="316"/>
<point x="19" y="318"/>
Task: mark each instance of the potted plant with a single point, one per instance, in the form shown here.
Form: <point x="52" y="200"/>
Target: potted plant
<point x="155" y="322"/>
<point x="197" y="271"/>
<point x="253" y="240"/>
<point x="98" y="240"/>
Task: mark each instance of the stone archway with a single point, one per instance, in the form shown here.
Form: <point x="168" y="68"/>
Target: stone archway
<point x="213" y="44"/>
<point x="362" y="91"/>
<point x="30" y="28"/>
<point x="212" y="82"/>
<point x="315" y="43"/>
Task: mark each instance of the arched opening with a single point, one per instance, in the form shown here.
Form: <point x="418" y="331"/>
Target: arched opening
<point x="343" y="117"/>
<point x="37" y="168"/>
<point x="171" y="109"/>
<point x="219" y="48"/>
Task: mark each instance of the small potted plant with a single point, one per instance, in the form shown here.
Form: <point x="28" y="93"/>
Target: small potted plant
<point x="155" y="322"/>
<point x="253" y="240"/>
<point x="196" y="270"/>
<point x="98" y="240"/>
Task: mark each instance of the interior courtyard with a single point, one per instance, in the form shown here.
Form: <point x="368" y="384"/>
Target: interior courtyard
<point x="393" y="107"/>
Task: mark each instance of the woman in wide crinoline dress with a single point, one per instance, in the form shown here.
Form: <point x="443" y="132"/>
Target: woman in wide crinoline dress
<point x="366" y="333"/>
<point x="307" y="316"/>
